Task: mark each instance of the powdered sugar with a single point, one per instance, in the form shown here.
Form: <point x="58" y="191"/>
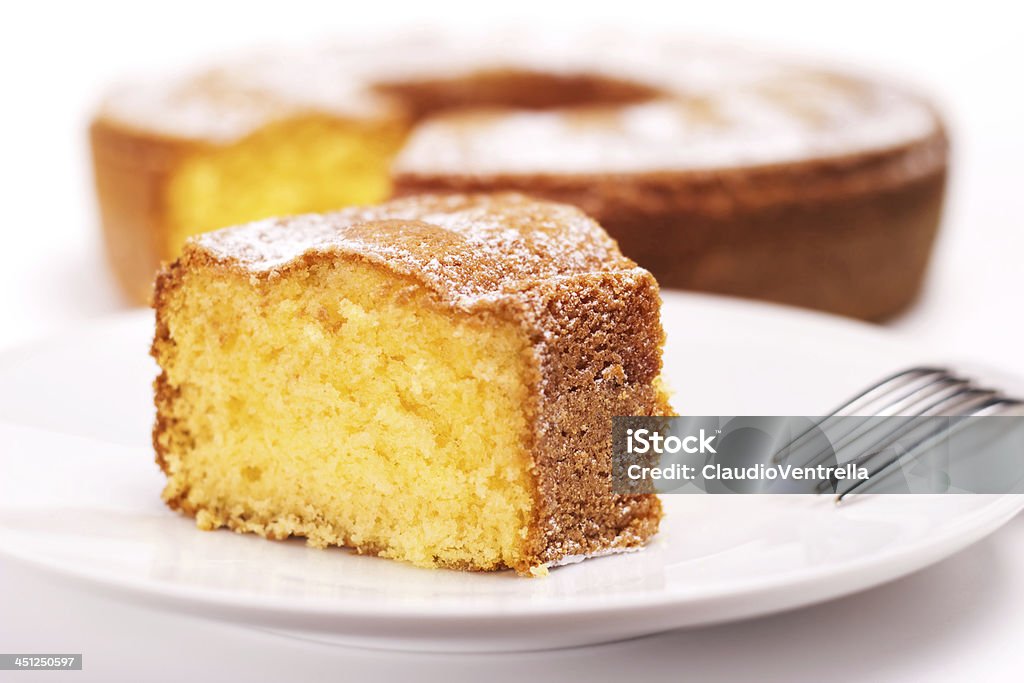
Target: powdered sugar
<point x="467" y="248"/>
<point x="754" y="124"/>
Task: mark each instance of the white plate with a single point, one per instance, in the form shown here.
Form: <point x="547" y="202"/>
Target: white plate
<point x="79" y="497"/>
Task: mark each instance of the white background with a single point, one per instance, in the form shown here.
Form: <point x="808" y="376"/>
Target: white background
<point x="961" y="619"/>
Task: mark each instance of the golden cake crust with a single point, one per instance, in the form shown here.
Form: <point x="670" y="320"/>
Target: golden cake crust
<point x="465" y="248"/>
<point x="591" y="315"/>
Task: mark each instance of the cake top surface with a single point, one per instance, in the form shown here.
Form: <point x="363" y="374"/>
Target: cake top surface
<point x="734" y="130"/>
<point x="467" y="248"/>
<point x="710" y="105"/>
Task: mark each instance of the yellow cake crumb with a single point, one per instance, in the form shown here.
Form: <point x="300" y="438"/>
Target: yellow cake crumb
<point x="340" y="407"/>
<point x="295" y="166"/>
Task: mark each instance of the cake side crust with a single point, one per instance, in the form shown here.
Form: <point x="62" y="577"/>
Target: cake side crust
<point x="600" y="356"/>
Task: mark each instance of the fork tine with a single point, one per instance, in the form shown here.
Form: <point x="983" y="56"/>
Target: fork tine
<point x="900" y="384"/>
<point x="937" y="403"/>
<point x="963" y="402"/>
<point x="945" y="395"/>
<point x="988" y="403"/>
<point x="914" y="404"/>
<point x="893" y="388"/>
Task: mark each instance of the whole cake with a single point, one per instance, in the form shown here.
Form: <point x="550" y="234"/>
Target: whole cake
<point x="716" y="169"/>
<point x="431" y="380"/>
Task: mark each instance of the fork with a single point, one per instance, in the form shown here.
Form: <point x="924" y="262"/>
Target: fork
<point x="936" y="400"/>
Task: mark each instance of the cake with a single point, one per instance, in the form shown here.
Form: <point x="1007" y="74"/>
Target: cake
<point x="431" y="380"/>
<point x="717" y="169"/>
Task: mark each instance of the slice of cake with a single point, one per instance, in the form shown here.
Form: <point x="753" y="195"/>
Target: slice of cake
<point x="431" y="380"/>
